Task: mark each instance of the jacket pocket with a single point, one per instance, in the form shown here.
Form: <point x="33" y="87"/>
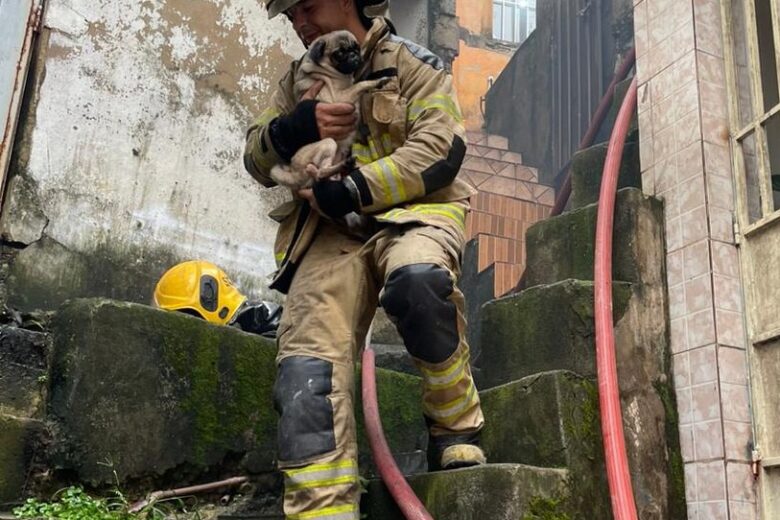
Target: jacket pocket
<point x="388" y="112"/>
<point x="284" y="214"/>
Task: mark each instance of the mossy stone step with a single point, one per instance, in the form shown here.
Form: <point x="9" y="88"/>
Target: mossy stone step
<point x="154" y="392"/>
<point x="493" y="491"/>
<point x="23" y="371"/>
<point x="547" y="327"/>
<point x="19" y="440"/>
<point x="551" y="419"/>
<point x="563" y="247"/>
<point x="587" y="168"/>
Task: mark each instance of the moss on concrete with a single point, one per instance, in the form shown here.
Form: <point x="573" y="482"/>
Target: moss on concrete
<point x="19" y="439"/>
<point x="494" y="491"/>
<point x="589" y="490"/>
<point x="523" y="419"/>
<point x="674" y="463"/>
<point x="587" y="168"/>
<point x="150" y="390"/>
<point x="12" y="458"/>
<point x="400" y="406"/>
<point x="563" y="247"/>
<point x="544" y="328"/>
<point x="540" y="508"/>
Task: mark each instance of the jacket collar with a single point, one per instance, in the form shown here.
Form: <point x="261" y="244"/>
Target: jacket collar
<point x="379" y="29"/>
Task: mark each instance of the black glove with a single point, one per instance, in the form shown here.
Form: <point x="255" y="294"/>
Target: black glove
<point x="294" y="130"/>
<point x="334" y="198"/>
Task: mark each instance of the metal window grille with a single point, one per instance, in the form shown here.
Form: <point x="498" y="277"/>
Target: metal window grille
<point x="513" y="20"/>
<point x="752" y="45"/>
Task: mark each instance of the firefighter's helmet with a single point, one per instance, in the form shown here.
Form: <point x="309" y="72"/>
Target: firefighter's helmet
<point x="201" y="288"/>
<point x="367" y="8"/>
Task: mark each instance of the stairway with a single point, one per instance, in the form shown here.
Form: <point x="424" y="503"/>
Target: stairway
<point x="540" y="399"/>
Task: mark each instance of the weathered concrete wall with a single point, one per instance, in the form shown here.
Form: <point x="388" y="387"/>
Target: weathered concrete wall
<point x="543" y="100"/>
<point x="410" y="18"/>
<point x="129" y="155"/>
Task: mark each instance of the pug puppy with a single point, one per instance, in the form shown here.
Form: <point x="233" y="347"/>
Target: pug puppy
<point x="332" y="58"/>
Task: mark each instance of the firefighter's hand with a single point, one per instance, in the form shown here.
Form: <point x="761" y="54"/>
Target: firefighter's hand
<point x="330" y="198"/>
<point x="335" y="120"/>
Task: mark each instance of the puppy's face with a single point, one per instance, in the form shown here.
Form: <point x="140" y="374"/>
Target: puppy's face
<point x="339" y="50"/>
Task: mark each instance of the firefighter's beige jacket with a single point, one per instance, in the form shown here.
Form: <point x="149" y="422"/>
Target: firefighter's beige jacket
<point x="410" y="148"/>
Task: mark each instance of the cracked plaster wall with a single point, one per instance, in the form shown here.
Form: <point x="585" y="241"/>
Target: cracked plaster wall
<point x="130" y="156"/>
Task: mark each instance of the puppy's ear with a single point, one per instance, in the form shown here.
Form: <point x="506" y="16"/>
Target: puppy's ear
<point x="317" y="51"/>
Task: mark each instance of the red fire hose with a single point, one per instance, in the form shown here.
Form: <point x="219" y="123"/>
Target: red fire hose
<point x="621" y="492"/>
<point x="403" y="495"/>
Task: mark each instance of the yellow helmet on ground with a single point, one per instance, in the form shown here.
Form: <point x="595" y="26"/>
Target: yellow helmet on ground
<point x="201" y="288"/>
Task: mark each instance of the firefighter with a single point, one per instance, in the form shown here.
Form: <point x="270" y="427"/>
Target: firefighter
<point x="406" y="256"/>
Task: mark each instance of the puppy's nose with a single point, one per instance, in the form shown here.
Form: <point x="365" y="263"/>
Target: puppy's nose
<point x="353" y="58"/>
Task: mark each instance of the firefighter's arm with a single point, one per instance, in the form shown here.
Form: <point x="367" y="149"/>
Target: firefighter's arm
<point x="432" y="154"/>
<point x="260" y="153"/>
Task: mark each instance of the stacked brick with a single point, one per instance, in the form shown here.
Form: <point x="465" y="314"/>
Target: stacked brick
<point x="510" y="199"/>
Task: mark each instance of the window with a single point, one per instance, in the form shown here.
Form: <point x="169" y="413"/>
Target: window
<point x="513" y="20"/>
<point x="753" y="32"/>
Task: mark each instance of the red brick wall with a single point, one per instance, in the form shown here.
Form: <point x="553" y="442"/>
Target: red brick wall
<point x="510" y="199"/>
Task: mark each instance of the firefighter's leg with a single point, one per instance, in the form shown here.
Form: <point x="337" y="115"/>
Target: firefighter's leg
<point x="420" y="266"/>
<point x="328" y="309"/>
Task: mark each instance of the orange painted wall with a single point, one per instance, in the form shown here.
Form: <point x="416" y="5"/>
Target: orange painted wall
<point x="470" y="71"/>
<point x="476" y="16"/>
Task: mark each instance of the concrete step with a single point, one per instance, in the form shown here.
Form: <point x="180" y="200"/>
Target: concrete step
<point x="587" y="167"/>
<point x="546" y="327"/>
<point x="23" y="371"/>
<point x="550" y="419"/>
<point x="562" y="247"/>
<point x="551" y="327"/>
<point x="494" y="491"/>
<point x="203" y="394"/>
<point x="20" y="439"/>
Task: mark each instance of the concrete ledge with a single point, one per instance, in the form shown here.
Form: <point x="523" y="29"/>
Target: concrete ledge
<point x="23" y="370"/>
<point x="544" y="328"/>
<point x="587" y="169"/>
<point x="562" y="247"/>
<point x="158" y="393"/>
<point x="494" y="491"/>
<point x="19" y="440"/>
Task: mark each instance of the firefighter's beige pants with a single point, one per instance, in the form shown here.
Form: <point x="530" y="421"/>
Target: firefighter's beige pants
<point x="329" y="307"/>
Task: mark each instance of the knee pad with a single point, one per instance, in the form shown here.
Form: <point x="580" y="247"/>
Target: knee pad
<point x="416" y="298"/>
<point x="301" y="392"/>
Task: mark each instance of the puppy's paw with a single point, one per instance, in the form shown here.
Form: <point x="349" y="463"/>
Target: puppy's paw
<point x="312" y="171"/>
